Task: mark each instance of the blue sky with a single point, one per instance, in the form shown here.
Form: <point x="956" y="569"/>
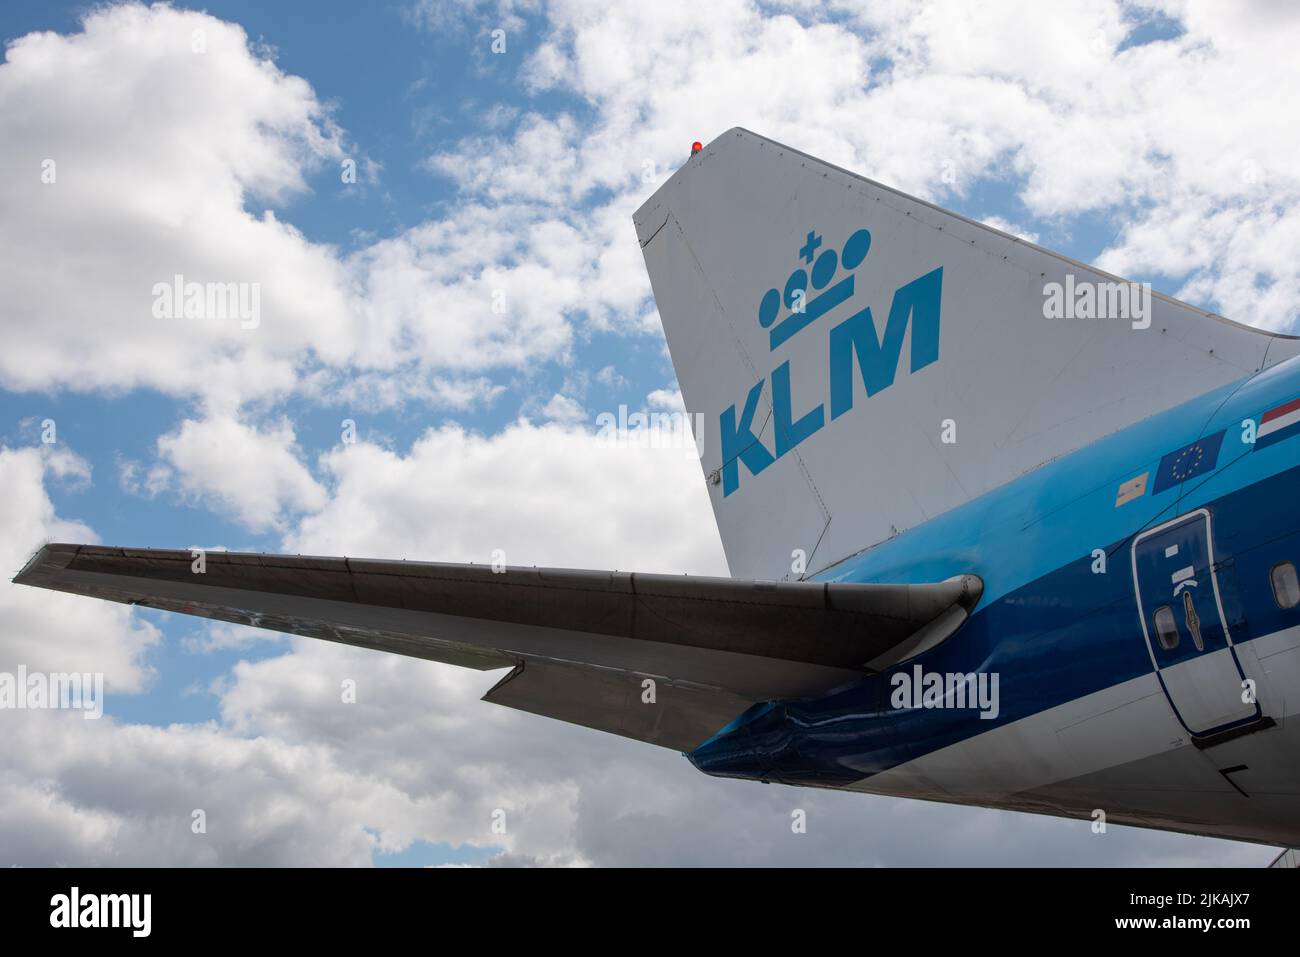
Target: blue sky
<point x="516" y="170"/>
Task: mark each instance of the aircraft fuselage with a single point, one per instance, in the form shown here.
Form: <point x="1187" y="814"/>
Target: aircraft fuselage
<point x="1134" y="654"/>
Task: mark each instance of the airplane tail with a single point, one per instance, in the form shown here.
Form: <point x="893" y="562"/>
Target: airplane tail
<point x="865" y="361"/>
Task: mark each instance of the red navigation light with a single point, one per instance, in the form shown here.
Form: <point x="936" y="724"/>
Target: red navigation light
<point x="696" y="147"/>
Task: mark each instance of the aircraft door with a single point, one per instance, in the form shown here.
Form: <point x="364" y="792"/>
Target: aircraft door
<point x="1184" y="626"/>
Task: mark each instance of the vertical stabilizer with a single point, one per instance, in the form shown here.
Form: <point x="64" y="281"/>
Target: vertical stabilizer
<point x="865" y="361"/>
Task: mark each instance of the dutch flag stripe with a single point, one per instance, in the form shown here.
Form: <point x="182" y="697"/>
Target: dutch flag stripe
<point x="1284" y="416"/>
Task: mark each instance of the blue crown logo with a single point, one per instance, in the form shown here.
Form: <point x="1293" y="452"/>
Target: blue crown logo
<point x="804" y="311"/>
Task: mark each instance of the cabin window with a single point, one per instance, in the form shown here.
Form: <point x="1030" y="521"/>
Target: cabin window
<point x="1166" y="628"/>
<point x="1286" y="588"/>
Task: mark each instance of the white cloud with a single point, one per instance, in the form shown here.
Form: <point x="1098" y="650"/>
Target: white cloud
<point x="47" y="631"/>
<point x="666" y="400"/>
<point x="491" y="287"/>
<point x="457" y="496"/>
<point x="141" y="196"/>
<point x="611" y="378"/>
<point x="460" y="15"/>
<point x="565" y="410"/>
<point x="222" y="636"/>
<point x="377" y="390"/>
<point x="997" y="222"/>
<point x="1180" y="140"/>
<point x="251" y="473"/>
<point x="99" y="792"/>
<point x="135" y="479"/>
<point x="540" y="162"/>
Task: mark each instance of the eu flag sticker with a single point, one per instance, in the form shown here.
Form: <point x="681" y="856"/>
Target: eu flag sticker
<point x="1188" y="462"/>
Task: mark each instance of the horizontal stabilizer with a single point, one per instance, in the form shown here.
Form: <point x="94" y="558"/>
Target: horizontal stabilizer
<point x="581" y="642"/>
<point x="667" y="715"/>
